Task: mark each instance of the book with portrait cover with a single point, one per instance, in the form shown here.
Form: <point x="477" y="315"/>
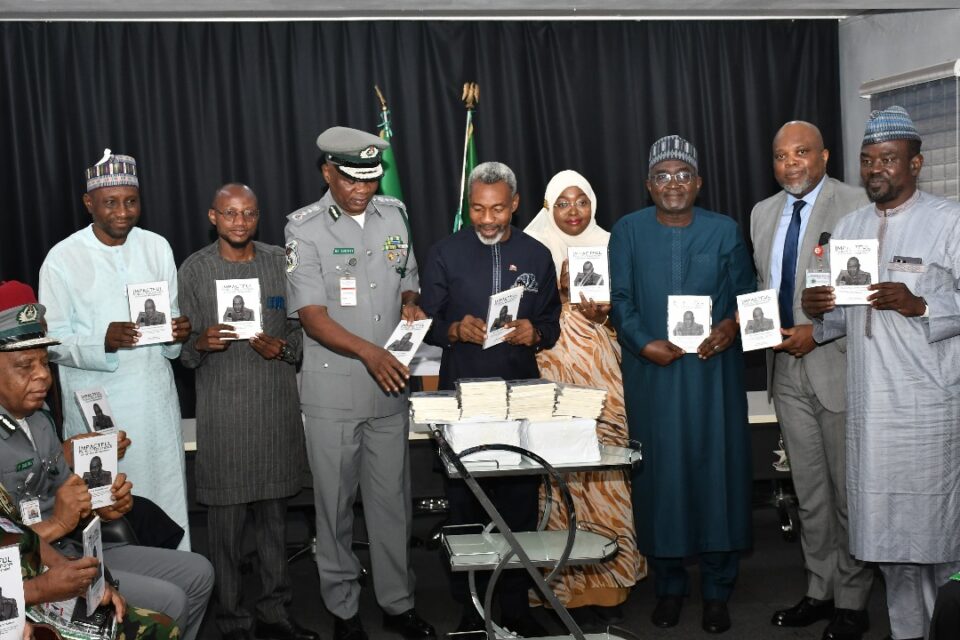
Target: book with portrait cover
<point x="406" y="339"/>
<point x="589" y="274"/>
<point x="502" y="309"/>
<point x="95" y="460"/>
<point x="96" y="411"/>
<point x="688" y="321"/>
<point x="93" y="548"/>
<point x="12" y="609"/>
<point x="759" y="319"/>
<point x="238" y="305"/>
<point x="854" y="265"/>
<point x="149" y="304"/>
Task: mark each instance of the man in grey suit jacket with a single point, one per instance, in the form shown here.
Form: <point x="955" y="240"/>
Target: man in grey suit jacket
<point x="807" y="381"/>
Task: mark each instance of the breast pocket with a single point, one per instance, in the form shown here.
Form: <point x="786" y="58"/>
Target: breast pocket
<point x="702" y="274"/>
<point x="336" y="267"/>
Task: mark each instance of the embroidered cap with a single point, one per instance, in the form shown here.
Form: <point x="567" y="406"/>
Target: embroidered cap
<point x="672" y="148"/>
<point x="112" y="171"/>
<point x="356" y="154"/>
<point x="892" y="123"/>
<point x="21" y="318"/>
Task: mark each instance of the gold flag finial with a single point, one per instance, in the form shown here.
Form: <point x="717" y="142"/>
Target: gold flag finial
<point x="471" y="95"/>
<point x="383" y="101"/>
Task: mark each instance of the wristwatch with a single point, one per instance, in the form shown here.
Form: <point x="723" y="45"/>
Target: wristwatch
<point x="287" y="354"/>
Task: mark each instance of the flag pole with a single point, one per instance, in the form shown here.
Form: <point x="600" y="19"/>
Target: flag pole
<point x="470" y="98"/>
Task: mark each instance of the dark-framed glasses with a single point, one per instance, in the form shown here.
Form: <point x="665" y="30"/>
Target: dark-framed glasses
<point x="663" y="178"/>
<point x="248" y="215"/>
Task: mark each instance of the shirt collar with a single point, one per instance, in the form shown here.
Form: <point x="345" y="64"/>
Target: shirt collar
<point x="912" y="200"/>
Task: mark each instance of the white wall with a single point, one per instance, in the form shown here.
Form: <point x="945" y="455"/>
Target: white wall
<point x="878" y="46"/>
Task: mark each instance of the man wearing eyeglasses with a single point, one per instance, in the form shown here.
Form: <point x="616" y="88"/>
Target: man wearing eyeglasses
<point x="250" y="447"/>
<point x="692" y="495"/>
<point x="83" y="284"/>
<point x="351" y="276"/>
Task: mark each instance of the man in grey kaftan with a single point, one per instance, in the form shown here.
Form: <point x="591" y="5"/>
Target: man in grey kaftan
<point x="251" y="453"/>
<point x="903" y="382"/>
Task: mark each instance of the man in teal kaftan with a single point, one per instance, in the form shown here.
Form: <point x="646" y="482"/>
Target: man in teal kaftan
<point x="691" y="494"/>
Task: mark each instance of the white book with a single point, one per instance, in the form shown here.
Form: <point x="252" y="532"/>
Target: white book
<point x="93" y="548"/>
<point x="97" y="414"/>
<point x="759" y="319"/>
<point x="503" y="308"/>
<point x="95" y="460"/>
<point x="406" y="339"/>
<point x="238" y="305"/>
<point x="854" y="264"/>
<point x="589" y="274"/>
<point x="12" y="610"/>
<point x="149" y="304"/>
<point x="688" y="321"/>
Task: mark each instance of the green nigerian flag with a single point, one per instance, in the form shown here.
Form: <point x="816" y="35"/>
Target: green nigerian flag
<point x="462" y="217"/>
<point x="390" y="182"/>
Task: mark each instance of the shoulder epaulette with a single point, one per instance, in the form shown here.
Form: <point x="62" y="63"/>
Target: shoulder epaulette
<point x="304" y="213"/>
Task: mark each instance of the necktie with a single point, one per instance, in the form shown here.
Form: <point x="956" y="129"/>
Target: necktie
<point x="788" y="268"/>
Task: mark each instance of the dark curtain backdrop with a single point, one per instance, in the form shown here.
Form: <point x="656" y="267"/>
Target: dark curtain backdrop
<point x="199" y="104"/>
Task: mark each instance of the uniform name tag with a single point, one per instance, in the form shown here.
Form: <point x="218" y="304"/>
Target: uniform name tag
<point x="24" y="464"/>
<point x="348" y="292"/>
<point x="339" y="251"/>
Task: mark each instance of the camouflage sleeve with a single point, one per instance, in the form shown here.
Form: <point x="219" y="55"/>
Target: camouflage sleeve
<point x="143" y="624"/>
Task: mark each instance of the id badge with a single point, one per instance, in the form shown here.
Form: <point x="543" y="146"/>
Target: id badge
<point x="818" y="278"/>
<point x="348" y="291"/>
<point x="30" y="511"/>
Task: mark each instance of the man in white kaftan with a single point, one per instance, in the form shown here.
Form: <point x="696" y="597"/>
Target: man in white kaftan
<point x="903" y="377"/>
<point x="83" y="284"/>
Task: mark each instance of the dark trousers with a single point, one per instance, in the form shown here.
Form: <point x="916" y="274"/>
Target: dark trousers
<point x="718" y="572"/>
<point x="946" y="612"/>
<point x="517" y="501"/>
<point x="225" y="524"/>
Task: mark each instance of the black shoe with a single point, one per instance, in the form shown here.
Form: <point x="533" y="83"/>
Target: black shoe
<point x="349" y="629"/>
<point x="609" y="615"/>
<point x="285" y="629"/>
<point x="237" y="634"/>
<point x="716" y="618"/>
<point x="409" y="624"/>
<point x="470" y="621"/>
<point x="587" y="620"/>
<point x="667" y="612"/>
<point x="525" y="626"/>
<point x="804" y="613"/>
<point x="847" y="624"/>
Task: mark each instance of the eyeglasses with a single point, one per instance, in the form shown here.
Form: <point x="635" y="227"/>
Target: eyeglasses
<point x="563" y="205"/>
<point x="663" y="178"/>
<point x="247" y="214"/>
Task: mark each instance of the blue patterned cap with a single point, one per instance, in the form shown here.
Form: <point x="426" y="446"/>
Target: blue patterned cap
<point x="112" y="171"/>
<point x="892" y="123"/>
<point x="673" y="148"/>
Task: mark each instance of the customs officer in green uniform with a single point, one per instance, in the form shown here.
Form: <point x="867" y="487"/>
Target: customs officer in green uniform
<point x="351" y="273"/>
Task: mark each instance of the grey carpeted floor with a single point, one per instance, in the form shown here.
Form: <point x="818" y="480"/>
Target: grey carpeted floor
<point x="771" y="577"/>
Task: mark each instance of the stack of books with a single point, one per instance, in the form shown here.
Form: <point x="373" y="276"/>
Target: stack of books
<point x="579" y="401"/>
<point x="482" y="398"/>
<point x="531" y="399"/>
<point x="434" y="407"/>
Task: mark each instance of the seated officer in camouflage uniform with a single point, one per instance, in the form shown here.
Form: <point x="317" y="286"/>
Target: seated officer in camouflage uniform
<point x="24" y="382"/>
<point x="350" y="273"/>
<point x="35" y="472"/>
